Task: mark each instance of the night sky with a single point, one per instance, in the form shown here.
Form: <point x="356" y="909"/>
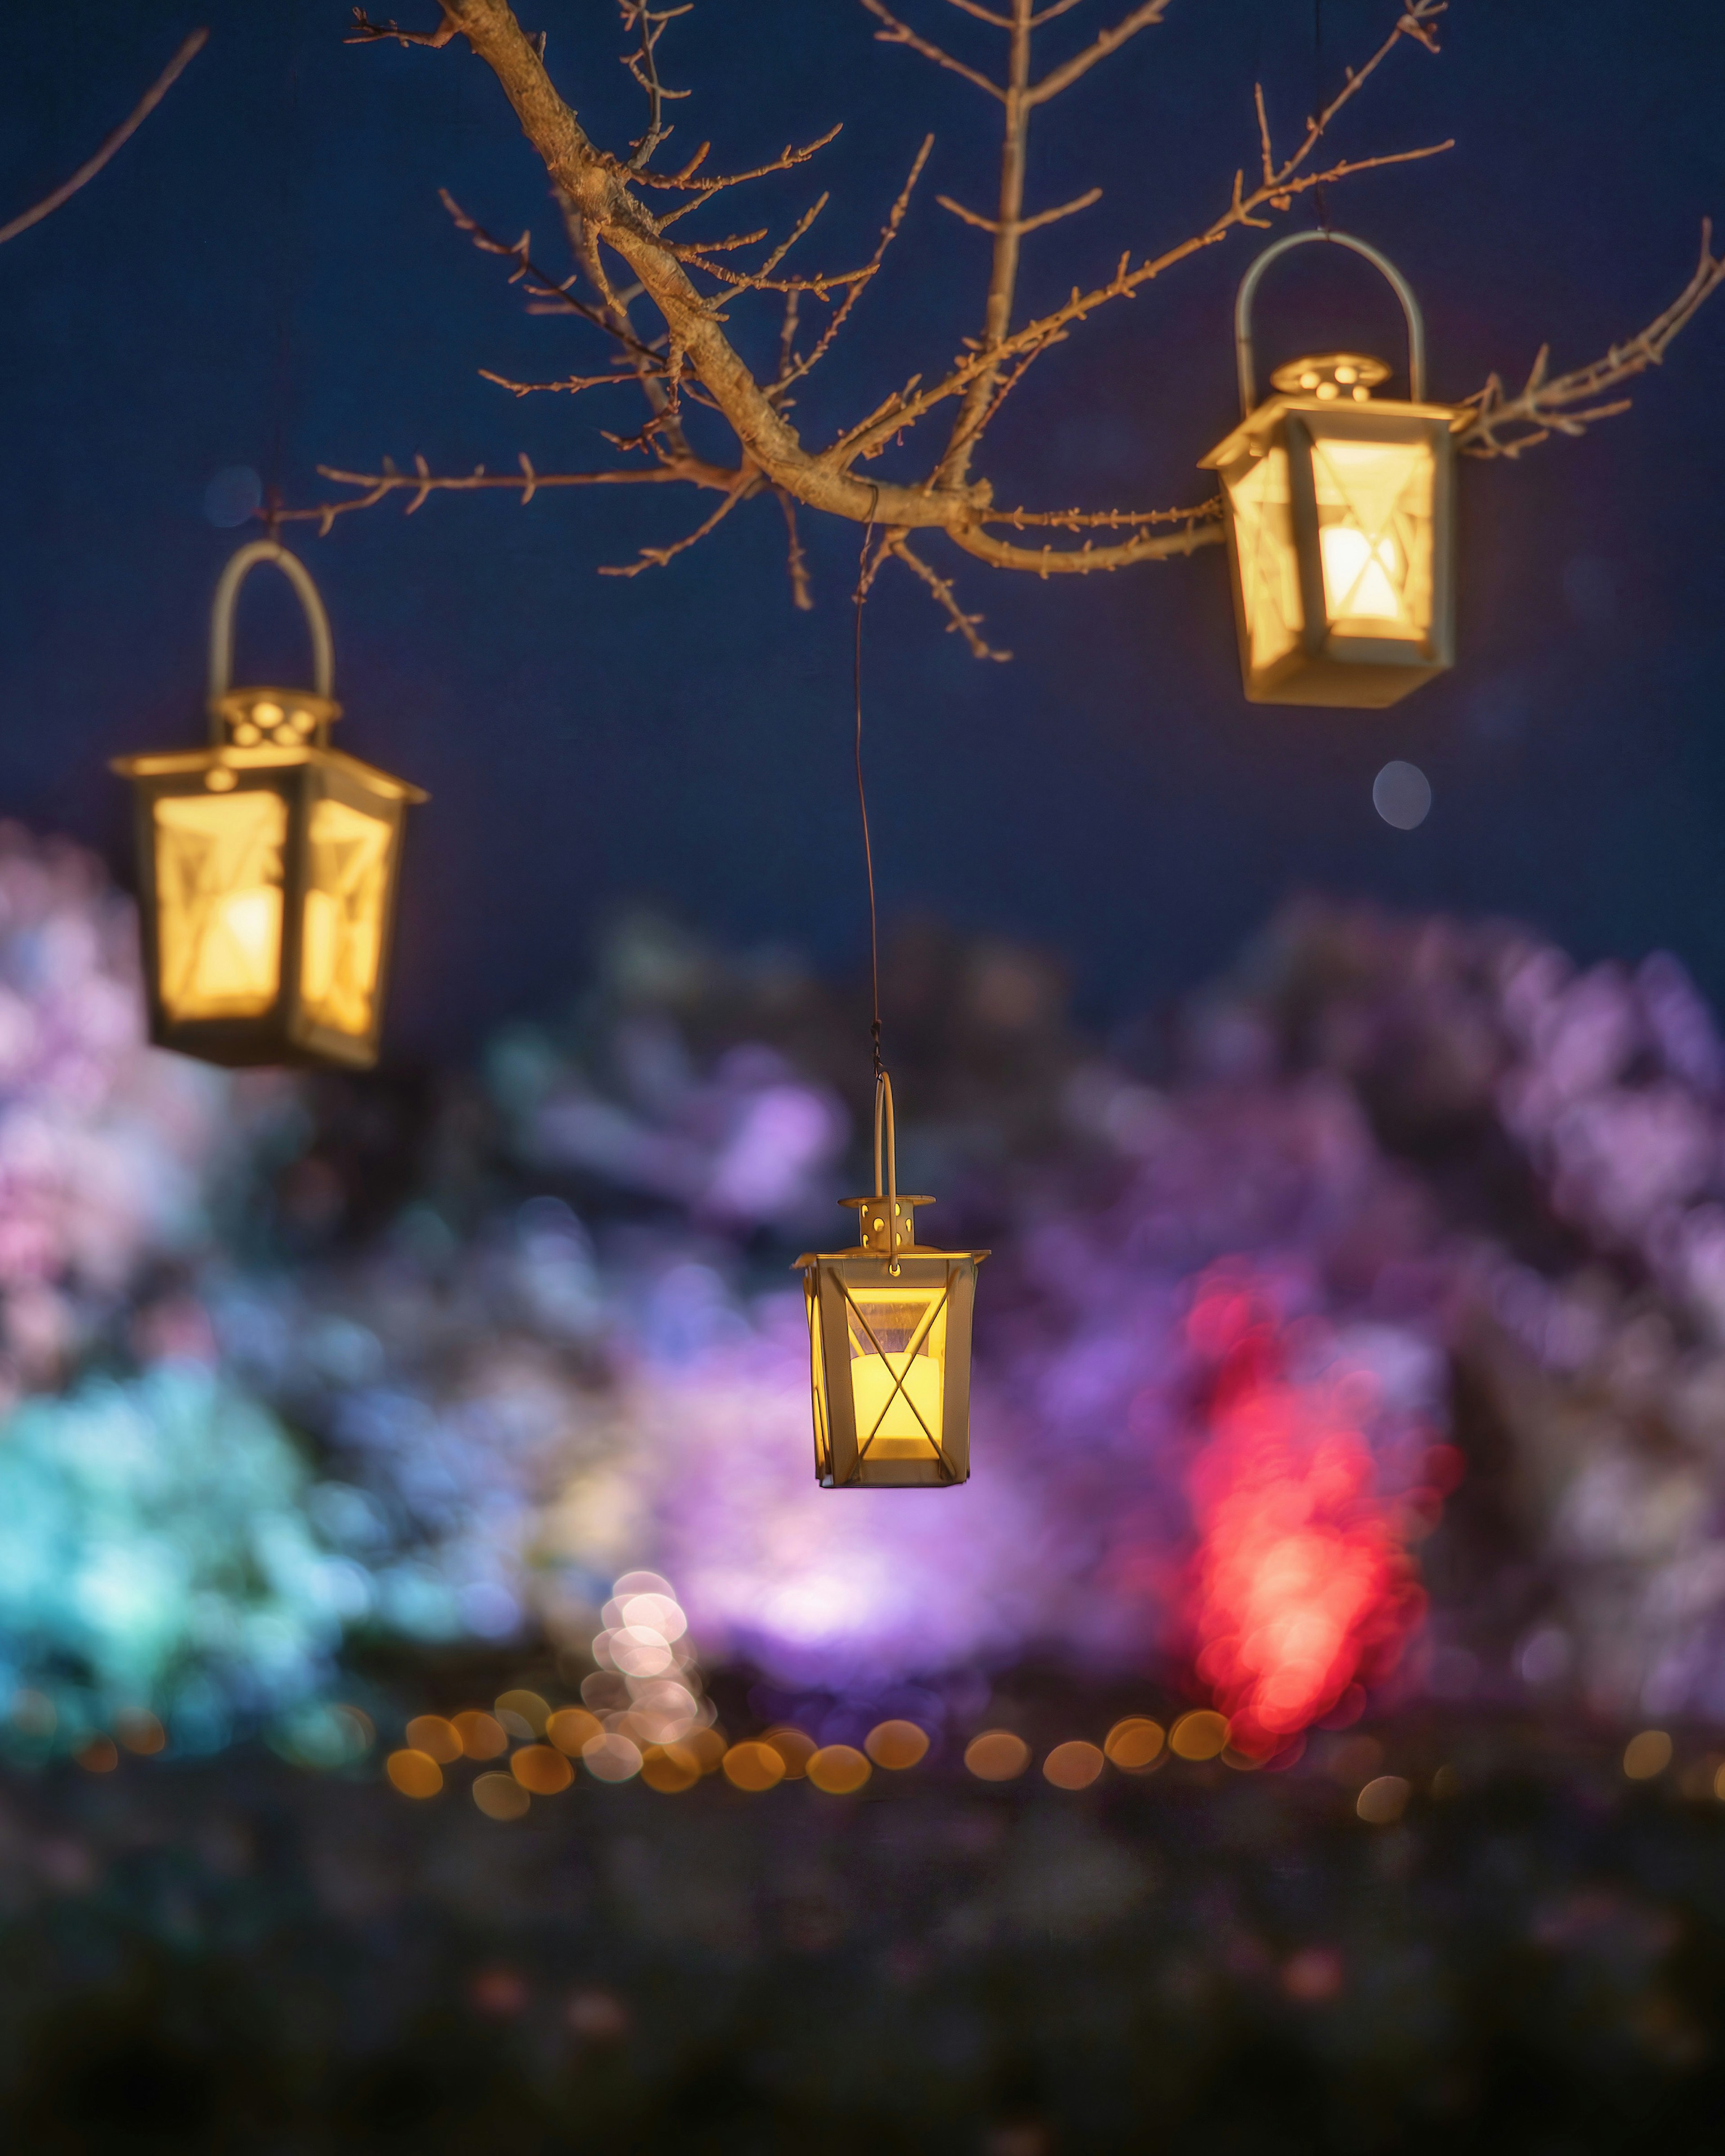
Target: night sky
<point x="265" y="277"/>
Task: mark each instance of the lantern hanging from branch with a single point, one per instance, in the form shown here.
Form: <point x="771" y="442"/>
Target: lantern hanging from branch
<point x="889" y="1340"/>
<point x="267" y="864"/>
<point x="1339" y="509"/>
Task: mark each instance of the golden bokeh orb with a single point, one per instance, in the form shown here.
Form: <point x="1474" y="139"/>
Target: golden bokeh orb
<point x="431" y="1733"/>
<point x="896" y="1744"/>
<point x="414" y="1774"/>
<point x="997" y="1756"/>
<point x="1074" y="1765"/>
<point x="1200" y="1735"/>
<point x="1647" y="1754"/>
<point x="670" y="1768"/>
<point x="1383" y="1800"/>
<point x="1135" y="1744"/>
<point x="501" y="1796"/>
<point x="542" y="1769"/>
<point x="753" y="1767"/>
<point x="795" y="1747"/>
<point x="838" y="1770"/>
<point x="572" y="1729"/>
<point x="482" y="1735"/>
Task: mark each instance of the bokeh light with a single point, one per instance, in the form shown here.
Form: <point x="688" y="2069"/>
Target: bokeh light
<point x="139" y="1731"/>
<point x="482" y="1736"/>
<point x="839" y="1770"/>
<point x="670" y="1768"/>
<point x="415" y="1773"/>
<point x="997" y="1756"/>
<point x="896" y="1744"/>
<point x="572" y="1729"/>
<point x="795" y="1747"/>
<point x="1304" y="1584"/>
<point x="1383" y="1800"/>
<point x="753" y="1767"/>
<point x="542" y="1769"/>
<point x="1074" y="1765"/>
<point x="1201" y="1734"/>
<point x="1135" y="1744"/>
<point x="522" y="1714"/>
<point x="611" y="1758"/>
<point x="431" y="1734"/>
<point x="1401" y="793"/>
<point x="501" y="1796"/>
<point x="1646" y="1754"/>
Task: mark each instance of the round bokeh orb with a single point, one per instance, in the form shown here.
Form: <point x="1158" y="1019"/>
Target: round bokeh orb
<point x="1401" y="793"/>
<point x="234" y="496"/>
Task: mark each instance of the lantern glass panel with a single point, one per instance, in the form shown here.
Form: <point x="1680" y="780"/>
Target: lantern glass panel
<point x="897" y="1337"/>
<point x="346" y="900"/>
<point x="1269" y="568"/>
<point x="1374" y="519"/>
<point x="219" y="895"/>
<point x="816" y="1364"/>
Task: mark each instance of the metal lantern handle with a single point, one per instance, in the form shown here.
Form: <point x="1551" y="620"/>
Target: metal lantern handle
<point x="221" y="626"/>
<point x="883" y="1113"/>
<point x="1248" y="285"/>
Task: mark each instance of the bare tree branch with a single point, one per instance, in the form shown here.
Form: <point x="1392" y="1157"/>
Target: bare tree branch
<point x="900" y="33"/>
<point x="1546" y="406"/>
<point x="1062" y="77"/>
<point x="692" y="356"/>
<point x="967" y="625"/>
<point x="796" y="562"/>
<point x="421" y="482"/>
<point x="656" y="557"/>
<point x="188" y="51"/>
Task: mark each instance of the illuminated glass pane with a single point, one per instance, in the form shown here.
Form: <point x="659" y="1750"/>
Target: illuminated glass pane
<point x="823" y="1442"/>
<point x="898" y="1354"/>
<point x="219" y="902"/>
<point x="1268" y="572"/>
<point x="347" y="879"/>
<point x="1374" y="503"/>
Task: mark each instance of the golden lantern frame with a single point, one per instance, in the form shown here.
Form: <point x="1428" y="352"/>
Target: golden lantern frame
<point x="267" y="864"/>
<point x="895" y="1320"/>
<point x="1340" y="515"/>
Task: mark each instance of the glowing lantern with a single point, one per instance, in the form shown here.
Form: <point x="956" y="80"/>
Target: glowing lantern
<point x="889" y="1337"/>
<point x="1340" y="514"/>
<point x="267" y="865"/>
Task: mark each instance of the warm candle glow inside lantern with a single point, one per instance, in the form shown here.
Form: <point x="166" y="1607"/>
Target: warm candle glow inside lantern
<point x="1338" y="508"/>
<point x="268" y="866"/>
<point x="889" y="1339"/>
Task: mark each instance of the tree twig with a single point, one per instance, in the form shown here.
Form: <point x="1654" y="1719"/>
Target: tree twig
<point x="967" y="625"/>
<point x="1546" y="405"/>
<point x="189" y="50"/>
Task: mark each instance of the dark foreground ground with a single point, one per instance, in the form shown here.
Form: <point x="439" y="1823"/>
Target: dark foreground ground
<point x="239" y="1955"/>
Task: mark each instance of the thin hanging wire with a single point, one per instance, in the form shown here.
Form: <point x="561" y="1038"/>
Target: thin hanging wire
<point x="862" y="798"/>
<point x="288" y="221"/>
<point x="1319" y="203"/>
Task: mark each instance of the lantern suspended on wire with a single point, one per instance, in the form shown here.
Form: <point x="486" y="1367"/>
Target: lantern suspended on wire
<point x="267" y="864"/>
<point x="889" y="1340"/>
<point x="1339" y="509"/>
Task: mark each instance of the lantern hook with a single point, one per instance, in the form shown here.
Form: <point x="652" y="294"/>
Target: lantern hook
<point x="1247" y="289"/>
<point x="884" y="1115"/>
<point x="221" y="626"/>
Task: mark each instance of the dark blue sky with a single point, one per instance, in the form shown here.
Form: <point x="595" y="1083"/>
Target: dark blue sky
<point x="686" y="735"/>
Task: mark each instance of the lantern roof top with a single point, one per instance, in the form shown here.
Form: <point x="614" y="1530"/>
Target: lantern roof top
<point x="1351" y="374"/>
<point x="1360" y="415"/>
<point x="166" y="763"/>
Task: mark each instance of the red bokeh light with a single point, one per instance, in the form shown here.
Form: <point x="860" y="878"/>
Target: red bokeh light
<point x="1302" y="1590"/>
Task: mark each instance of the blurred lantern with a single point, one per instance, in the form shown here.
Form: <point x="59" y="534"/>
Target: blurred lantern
<point x="1340" y="516"/>
<point x="267" y="865"/>
<point x="888" y="1335"/>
